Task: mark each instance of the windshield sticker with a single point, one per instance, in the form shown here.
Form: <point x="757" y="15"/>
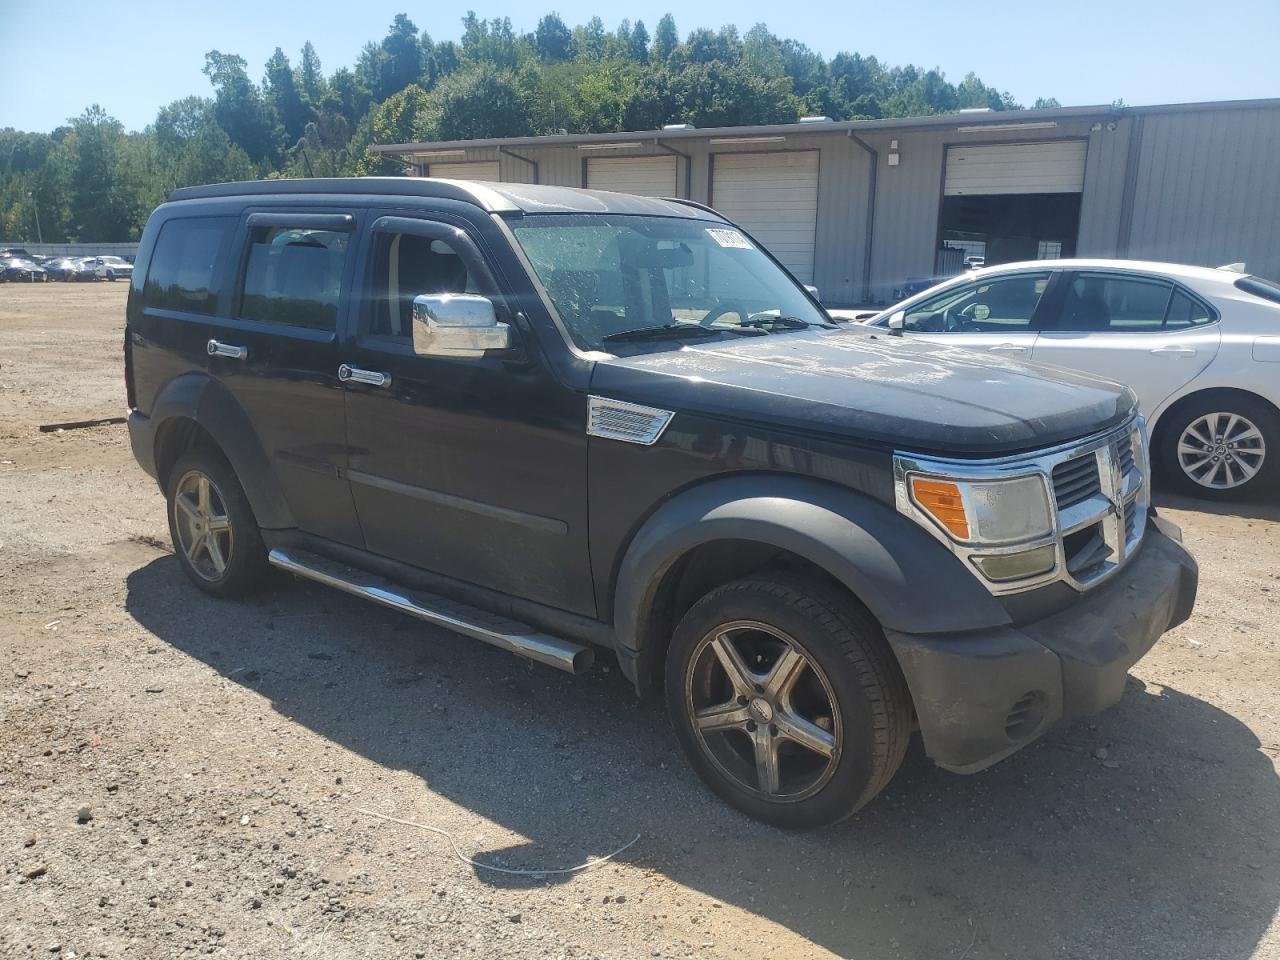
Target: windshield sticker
<point x="729" y="238"/>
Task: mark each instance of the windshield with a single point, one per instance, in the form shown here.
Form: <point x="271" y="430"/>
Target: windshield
<point x="615" y="278"/>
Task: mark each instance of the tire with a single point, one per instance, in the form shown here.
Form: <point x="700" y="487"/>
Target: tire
<point x="229" y="560"/>
<point x="847" y="699"/>
<point x="1245" y="463"/>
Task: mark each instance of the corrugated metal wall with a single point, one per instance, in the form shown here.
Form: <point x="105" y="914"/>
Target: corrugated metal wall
<point x="1206" y="188"/>
<point x="1195" y="185"/>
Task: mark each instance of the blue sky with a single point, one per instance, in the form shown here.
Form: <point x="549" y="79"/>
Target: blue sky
<point x="134" y="57"/>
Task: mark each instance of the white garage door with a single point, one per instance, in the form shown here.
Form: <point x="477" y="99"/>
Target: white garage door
<point x="774" y="196"/>
<point x="643" y="176"/>
<point x="466" y="170"/>
<point x="1055" y="167"/>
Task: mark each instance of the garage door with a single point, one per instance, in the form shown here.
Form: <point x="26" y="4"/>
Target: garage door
<point x="466" y="170"/>
<point x="1055" y="167"/>
<point x="774" y="196"/>
<point x="643" y="176"/>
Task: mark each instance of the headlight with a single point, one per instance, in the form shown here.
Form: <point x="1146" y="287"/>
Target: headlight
<point x="985" y="512"/>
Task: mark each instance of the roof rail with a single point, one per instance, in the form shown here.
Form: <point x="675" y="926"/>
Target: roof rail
<point x="693" y="203"/>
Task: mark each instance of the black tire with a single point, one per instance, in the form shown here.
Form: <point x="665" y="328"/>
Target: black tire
<point x="1178" y="470"/>
<point x="848" y="661"/>
<point x="243" y="554"/>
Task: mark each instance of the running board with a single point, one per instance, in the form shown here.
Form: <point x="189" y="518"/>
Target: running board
<point x="510" y="635"/>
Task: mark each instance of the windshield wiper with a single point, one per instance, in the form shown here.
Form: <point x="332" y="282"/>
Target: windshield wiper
<point x="668" y="331"/>
<point x="777" y="320"/>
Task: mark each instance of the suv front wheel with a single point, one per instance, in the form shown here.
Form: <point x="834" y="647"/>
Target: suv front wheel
<point x="214" y="533"/>
<point x="787" y="700"/>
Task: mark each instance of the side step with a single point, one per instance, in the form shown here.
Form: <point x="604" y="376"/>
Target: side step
<point x="510" y="635"/>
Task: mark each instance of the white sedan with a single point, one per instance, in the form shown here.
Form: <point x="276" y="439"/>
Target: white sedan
<point x="1200" y="347"/>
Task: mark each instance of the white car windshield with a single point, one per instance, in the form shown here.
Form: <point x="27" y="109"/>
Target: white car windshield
<point x="614" y="278"/>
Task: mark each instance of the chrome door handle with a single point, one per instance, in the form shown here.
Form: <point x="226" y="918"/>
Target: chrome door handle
<point x="350" y="374"/>
<point x="1007" y="348"/>
<point x="1175" y="351"/>
<point x="217" y="348"/>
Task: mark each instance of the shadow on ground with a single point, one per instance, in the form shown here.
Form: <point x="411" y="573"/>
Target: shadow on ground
<point x="1168" y="850"/>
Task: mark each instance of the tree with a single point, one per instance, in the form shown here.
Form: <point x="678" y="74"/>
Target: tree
<point x="553" y="40"/>
<point x="240" y="109"/>
<point x="638" y="47"/>
<point x="102" y="205"/>
<point x="762" y="53"/>
<point x="665" y="38"/>
<point x="310" y="76"/>
<point x="351" y="93"/>
<point x="480" y="101"/>
<point x="491" y="42"/>
<point x="1046" y="103"/>
<point x="281" y="92"/>
<point x="403" y="62"/>
<point x="590" y="39"/>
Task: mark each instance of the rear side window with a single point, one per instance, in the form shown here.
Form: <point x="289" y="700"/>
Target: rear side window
<point x="293" y="276"/>
<point x="1127" y="304"/>
<point x="186" y="265"/>
<point x="1266" y="289"/>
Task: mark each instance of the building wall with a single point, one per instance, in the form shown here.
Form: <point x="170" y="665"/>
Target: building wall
<point x="1181" y="184"/>
<point x="1206" y="188"/>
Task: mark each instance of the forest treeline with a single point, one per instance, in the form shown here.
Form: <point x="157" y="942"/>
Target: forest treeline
<point x="93" y="180"/>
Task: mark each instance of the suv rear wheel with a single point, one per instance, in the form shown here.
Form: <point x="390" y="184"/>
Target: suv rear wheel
<point x="787" y="700"/>
<point x="214" y="533"/>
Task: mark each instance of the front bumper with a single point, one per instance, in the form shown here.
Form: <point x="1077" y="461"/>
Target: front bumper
<point x="982" y="695"/>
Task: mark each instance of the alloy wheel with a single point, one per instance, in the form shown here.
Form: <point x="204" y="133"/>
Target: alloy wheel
<point x="763" y="711"/>
<point x="1221" y="451"/>
<point x="204" y="528"/>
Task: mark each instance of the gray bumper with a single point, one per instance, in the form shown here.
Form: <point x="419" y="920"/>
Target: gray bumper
<point x="982" y="695"/>
<point x="142" y="439"/>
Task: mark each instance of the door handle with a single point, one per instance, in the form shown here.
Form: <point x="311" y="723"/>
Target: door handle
<point x="350" y="374"/>
<point x="1174" y="351"/>
<point x="1007" y="348"/>
<point x="217" y="348"/>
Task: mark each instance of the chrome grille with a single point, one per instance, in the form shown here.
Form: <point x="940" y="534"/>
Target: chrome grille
<point x="1075" y="481"/>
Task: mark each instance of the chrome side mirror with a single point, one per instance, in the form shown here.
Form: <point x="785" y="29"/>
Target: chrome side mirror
<point x="897" y="323"/>
<point x="457" y="325"/>
<point x="813" y="291"/>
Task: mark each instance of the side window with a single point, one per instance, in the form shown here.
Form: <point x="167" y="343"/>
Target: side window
<point x="1185" y="312"/>
<point x="1119" y="304"/>
<point x="999" y="305"/>
<point x="293" y="276"/>
<point x="406" y="265"/>
<point x="186" y="265"/>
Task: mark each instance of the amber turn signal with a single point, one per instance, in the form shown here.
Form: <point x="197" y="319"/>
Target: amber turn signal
<point x="941" y="500"/>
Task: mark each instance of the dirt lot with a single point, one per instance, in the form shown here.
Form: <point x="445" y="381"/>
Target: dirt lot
<point x="223" y="753"/>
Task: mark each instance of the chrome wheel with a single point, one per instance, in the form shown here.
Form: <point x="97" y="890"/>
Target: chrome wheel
<point x="763" y="711"/>
<point x="1221" y="451"/>
<point x="203" y="527"/>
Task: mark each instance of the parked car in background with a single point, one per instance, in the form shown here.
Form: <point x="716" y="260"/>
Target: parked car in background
<point x="69" y="268"/>
<point x="1200" y="347"/>
<point x="913" y="285"/>
<point x="550" y="419"/>
<point x="110" y="267"/>
<point x="17" y="269"/>
<point x="975" y="262"/>
<point x="8" y="253"/>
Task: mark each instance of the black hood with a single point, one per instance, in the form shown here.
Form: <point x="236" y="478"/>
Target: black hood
<point x="870" y="387"/>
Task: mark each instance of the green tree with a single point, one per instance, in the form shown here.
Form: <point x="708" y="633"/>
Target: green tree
<point x="240" y="109"/>
<point x="403" y="61"/>
<point x="352" y="94"/>
<point x="1046" y="103"/>
<point x="490" y="42"/>
<point x="102" y="205"/>
<point x="638" y="46"/>
<point x="553" y="40"/>
<point x="310" y="75"/>
<point x="665" y="38"/>
<point x="590" y="39"/>
<point x="481" y="101"/>
<point x="282" y="93"/>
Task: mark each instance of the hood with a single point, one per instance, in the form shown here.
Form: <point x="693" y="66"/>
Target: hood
<point x="864" y="385"/>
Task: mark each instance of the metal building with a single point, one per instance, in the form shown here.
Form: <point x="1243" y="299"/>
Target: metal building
<point x="861" y="207"/>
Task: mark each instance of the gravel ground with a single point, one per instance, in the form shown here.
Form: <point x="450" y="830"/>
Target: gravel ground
<point x="180" y="776"/>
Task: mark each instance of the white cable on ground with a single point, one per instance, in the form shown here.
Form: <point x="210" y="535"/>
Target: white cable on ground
<point x="487" y="866"/>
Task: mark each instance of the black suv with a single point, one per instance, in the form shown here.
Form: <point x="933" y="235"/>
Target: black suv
<point x="556" y="420"/>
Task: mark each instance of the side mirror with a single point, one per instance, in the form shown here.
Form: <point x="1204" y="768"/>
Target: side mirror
<point x="813" y="291"/>
<point x="897" y="323"/>
<point x="457" y="325"/>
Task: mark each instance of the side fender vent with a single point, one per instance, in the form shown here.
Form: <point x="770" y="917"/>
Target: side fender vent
<point x="630" y="422"/>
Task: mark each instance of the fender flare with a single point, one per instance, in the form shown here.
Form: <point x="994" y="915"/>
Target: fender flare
<point x="908" y="580"/>
<point x="198" y="397"/>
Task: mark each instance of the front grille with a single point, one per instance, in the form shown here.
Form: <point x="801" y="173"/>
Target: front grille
<point x="1075" y="481"/>
<point x="1130" y="519"/>
<point x="1122" y="450"/>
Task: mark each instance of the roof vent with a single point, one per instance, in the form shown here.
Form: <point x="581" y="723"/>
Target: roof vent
<point x="815" y="120"/>
<point x="678" y="126"/>
<point x="975" y="110"/>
